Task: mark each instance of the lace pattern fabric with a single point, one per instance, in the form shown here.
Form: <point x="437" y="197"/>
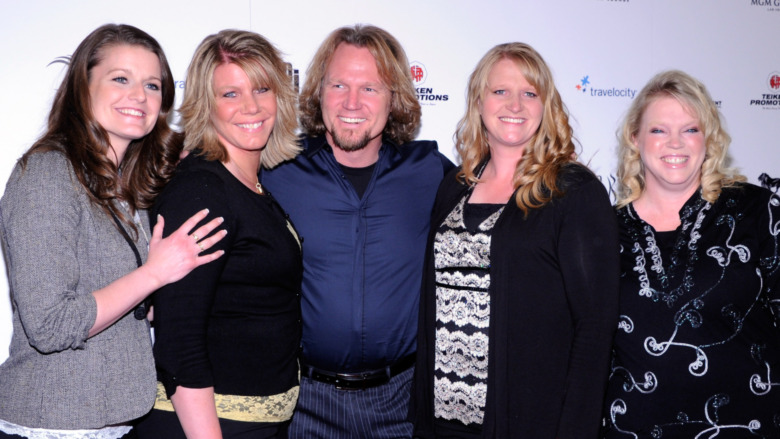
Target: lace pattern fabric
<point x="272" y="408"/>
<point x="462" y="261"/>
<point x="112" y="432"/>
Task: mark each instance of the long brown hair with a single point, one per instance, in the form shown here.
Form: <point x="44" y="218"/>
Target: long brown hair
<point x="548" y="151"/>
<point x="74" y="131"/>
<point x="394" y="69"/>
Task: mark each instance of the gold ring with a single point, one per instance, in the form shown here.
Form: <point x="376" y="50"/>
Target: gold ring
<point x="195" y="237"/>
<point x="200" y="244"/>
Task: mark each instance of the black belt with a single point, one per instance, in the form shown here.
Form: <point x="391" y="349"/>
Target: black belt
<point x="358" y="380"/>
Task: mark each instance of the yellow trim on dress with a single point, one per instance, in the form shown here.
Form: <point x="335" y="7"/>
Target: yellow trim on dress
<point x="273" y="408"/>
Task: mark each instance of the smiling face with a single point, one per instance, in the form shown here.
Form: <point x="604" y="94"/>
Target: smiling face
<point x="125" y="94"/>
<point x="243" y="115"/>
<point x="672" y="148"/>
<point x="355" y="101"/>
<point x="510" y="107"/>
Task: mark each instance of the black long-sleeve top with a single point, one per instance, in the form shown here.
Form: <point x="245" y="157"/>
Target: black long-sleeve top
<point x="234" y="323"/>
<point x="698" y="346"/>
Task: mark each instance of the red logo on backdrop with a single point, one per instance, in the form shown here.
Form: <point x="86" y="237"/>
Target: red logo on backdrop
<point x="774" y="81"/>
<point x="419" y="73"/>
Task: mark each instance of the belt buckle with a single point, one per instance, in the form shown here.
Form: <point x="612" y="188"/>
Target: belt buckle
<point x="350" y="381"/>
<point x="349" y="385"/>
<point x="343" y="384"/>
<point x="348" y="389"/>
<point x="363" y="382"/>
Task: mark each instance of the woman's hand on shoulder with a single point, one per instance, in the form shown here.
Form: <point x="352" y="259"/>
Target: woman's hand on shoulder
<point x="175" y="256"/>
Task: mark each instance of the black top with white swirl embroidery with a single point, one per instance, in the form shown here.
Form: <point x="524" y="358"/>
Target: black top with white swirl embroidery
<point x="697" y="352"/>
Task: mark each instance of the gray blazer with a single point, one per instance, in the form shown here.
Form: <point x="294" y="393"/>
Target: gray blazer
<point x="59" y="248"/>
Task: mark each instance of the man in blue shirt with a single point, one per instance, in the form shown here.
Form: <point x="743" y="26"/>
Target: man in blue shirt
<point x="360" y="195"/>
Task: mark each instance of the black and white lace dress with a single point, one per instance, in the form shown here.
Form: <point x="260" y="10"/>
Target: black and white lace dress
<point x="462" y="260"/>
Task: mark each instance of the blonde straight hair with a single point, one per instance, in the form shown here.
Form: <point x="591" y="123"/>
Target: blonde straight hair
<point x="263" y="64"/>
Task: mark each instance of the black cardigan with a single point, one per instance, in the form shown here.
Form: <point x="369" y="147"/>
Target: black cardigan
<point x="553" y="291"/>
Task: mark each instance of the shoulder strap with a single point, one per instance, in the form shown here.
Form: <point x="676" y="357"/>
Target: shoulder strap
<point x="140" y="311"/>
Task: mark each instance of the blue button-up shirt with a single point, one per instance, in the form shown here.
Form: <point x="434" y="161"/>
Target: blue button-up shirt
<point x="362" y="257"/>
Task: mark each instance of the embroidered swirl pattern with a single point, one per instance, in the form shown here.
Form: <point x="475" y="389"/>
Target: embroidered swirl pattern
<point x="713" y="314"/>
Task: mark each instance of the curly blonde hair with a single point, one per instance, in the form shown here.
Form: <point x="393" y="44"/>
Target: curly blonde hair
<point x="549" y="150"/>
<point x="394" y="69"/>
<point x="692" y="95"/>
<point x="263" y="64"/>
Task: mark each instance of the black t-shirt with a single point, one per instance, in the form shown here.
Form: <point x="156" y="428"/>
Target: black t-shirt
<point x="359" y="177"/>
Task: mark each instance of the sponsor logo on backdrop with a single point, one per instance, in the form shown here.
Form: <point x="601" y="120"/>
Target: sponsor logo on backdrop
<point x="294" y="75"/>
<point x="773" y="184"/>
<point x="291" y="72"/>
<point x="610" y="182"/>
<point x="60" y="60"/>
<point x="774" y="81"/>
<point x="770" y="5"/>
<point x="585" y="86"/>
<point x="426" y="95"/>
<point x="419" y="73"/>
<point x="770" y="99"/>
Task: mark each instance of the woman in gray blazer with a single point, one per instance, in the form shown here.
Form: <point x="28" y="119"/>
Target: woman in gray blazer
<point x="76" y="235"/>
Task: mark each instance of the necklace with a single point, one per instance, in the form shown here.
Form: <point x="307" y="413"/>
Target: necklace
<point x="246" y="181"/>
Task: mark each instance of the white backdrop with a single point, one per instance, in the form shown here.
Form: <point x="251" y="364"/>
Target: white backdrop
<point x="612" y="47"/>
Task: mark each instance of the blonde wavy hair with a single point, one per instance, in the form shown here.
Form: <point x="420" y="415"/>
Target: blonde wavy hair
<point x="263" y="64"/>
<point x="549" y="150"/>
<point x="692" y="95"/>
<point x="394" y="69"/>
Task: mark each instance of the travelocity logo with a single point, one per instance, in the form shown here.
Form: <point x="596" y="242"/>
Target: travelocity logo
<point x="584" y="85"/>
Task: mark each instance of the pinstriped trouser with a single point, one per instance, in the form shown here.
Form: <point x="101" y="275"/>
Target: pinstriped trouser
<point x="375" y="413"/>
